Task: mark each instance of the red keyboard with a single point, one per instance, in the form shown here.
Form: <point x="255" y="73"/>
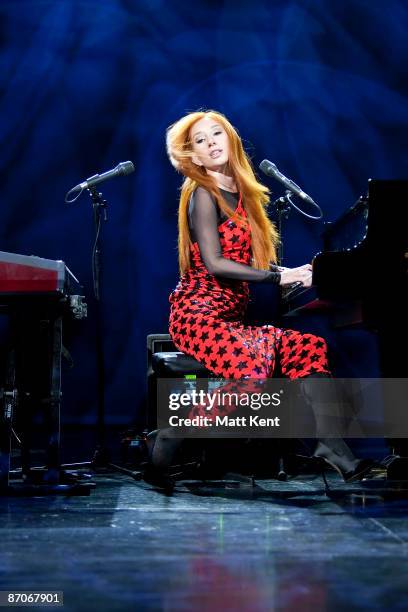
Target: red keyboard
<point x="30" y="274"/>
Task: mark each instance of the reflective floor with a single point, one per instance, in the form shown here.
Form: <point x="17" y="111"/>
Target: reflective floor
<point x="215" y="546"/>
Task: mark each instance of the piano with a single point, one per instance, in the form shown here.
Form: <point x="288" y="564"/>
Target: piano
<point x="360" y="278"/>
<point x="38" y="295"/>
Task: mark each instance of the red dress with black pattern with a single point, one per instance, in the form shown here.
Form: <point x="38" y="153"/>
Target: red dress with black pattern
<point x="206" y="320"/>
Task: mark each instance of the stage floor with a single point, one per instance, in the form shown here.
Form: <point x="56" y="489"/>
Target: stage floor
<point x="223" y="546"/>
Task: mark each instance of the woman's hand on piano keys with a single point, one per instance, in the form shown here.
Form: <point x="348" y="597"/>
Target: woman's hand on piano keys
<point x="296" y="277"/>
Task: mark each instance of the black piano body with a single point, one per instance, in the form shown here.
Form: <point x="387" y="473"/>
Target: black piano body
<point x="360" y="279"/>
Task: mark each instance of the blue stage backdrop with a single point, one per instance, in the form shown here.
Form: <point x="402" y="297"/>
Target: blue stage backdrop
<point x="318" y="87"/>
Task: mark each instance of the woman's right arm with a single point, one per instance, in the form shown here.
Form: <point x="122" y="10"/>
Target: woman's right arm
<point x="204" y="222"/>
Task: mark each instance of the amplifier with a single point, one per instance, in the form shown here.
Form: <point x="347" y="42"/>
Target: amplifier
<point x="158" y="343"/>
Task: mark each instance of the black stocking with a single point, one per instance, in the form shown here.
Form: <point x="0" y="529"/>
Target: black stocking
<point x="331" y="422"/>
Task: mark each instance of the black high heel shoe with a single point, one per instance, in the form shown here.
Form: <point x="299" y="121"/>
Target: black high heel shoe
<point x="335" y="453"/>
<point x="166" y="464"/>
<point x="331" y="418"/>
<point x="161" y="450"/>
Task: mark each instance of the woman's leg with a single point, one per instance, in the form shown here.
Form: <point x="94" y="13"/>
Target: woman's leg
<point x="331" y="422"/>
<point x="304" y="356"/>
<point x="162" y="448"/>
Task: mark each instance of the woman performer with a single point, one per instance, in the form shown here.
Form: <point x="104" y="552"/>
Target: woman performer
<point x="226" y="240"/>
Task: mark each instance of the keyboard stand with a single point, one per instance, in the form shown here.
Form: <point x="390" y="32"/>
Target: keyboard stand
<point x="33" y="381"/>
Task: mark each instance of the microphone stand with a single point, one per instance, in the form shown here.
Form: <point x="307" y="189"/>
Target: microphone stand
<point x="101" y="457"/>
<point x="283" y="206"/>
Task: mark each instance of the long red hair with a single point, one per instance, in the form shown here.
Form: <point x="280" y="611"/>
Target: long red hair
<point x="255" y="195"/>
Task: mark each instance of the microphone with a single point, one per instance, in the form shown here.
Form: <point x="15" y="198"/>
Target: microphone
<point x="121" y="169"/>
<point x="270" y="169"/>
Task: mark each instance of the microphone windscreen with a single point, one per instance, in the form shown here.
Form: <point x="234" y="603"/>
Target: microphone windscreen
<point x="267" y="167"/>
<point x="125" y="168"/>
